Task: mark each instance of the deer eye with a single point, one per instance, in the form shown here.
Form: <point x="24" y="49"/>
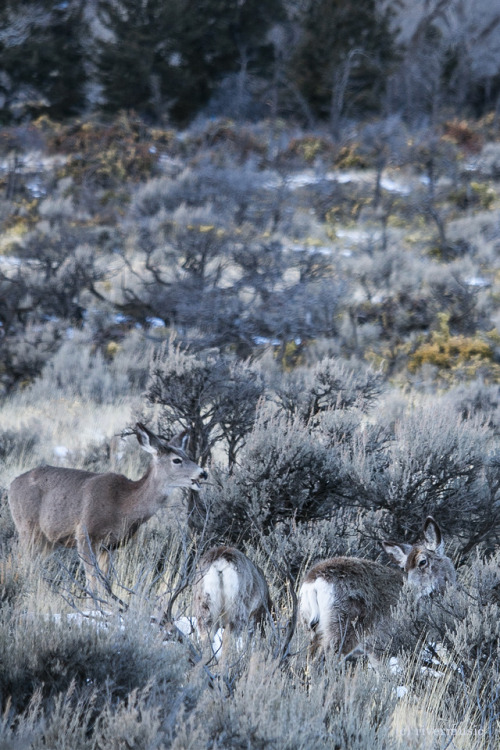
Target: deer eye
<point x="422" y="562"/>
<point x="177" y="460"/>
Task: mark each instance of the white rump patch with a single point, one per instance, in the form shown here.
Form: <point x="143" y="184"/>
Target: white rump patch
<point x="221" y="583"/>
<point x="316" y="602"/>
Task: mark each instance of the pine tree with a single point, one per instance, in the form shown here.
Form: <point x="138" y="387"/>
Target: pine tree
<point x="42" y="58"/>
<point x="136" y="62"/>
<point x="219" y="37"/>
<point x="343" y="57"/>
<point x="168" y="56"/>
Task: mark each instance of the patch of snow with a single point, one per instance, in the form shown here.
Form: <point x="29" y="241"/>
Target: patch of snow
<point x="312" y="249"/>
<point x="357" y="235"/>
<point x="303" y="179"/>
<point x="60" y="451"/>
<point x="394" y="187"/>
<point x="156" y="322"/>
<point x="33" y="161"/>
<point x="120" y="318"/>
<point x="186" y="625"/>
<point x="477" y="281"/>
<point x="36" y="189"/>
<point x="263" y="341"/>
<point x="10" y="260"/>
<point x="394" y="665"/>
<point x="217" y="644"/>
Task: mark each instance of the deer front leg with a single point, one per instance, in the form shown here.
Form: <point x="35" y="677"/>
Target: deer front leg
<point x="95" y="562"/>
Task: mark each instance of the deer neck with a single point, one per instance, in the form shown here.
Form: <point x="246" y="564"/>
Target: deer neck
<point x="146" y="496"/>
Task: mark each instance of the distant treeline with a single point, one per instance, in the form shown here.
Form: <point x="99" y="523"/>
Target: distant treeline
<point x="309" y="60"/>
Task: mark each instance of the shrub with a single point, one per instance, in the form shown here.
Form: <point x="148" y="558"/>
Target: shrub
<point x="46" y="657"/>
<point x="331" y="384"/>
<point x="77" y="370"/>
<point x="105" y="155"/>
<point x="271" y="706"/>
<point x="229" y="192"/>
<point x="428" y="462"/>
<point x="18" y="442"/>
<point x="311" y="147"/>
<point x="25" y="354"/>
<point x="458" y="355"/>
<point x="284" y="472"/>
<point x="213" y="396"/>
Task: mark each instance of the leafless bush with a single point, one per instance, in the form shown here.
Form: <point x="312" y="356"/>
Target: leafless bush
<point x="213" y="396"/>
<point x="332" y="384"/>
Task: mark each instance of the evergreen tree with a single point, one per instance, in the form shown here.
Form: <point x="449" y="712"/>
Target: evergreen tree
<point x="168" y="56"/>
<point x="344" y="57"/>
<point x="218" y="37"/>
<point x="42" y="58"/>
<point x="136" y="62"/>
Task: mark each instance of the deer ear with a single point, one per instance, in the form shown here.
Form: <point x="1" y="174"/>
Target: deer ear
<point x="432" y="536"/>
<point x="147" y="440"/>
<point x="398" y="552"/>
<point x="181" y="440"/>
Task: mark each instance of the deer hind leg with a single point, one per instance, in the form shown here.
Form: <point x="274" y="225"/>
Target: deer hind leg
<point x="35" y="542"/>
<point x="204" y="619"/>
<point x="238" y="630"/>
<point x="33" y="547"/>
<point x="342" y="636"/>
<point x="316" y="645"/>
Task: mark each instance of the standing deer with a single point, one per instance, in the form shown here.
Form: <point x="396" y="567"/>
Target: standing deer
<point x="229" y="592"/>
<point x="96" y="512"/>
<point x="343" y="598"/>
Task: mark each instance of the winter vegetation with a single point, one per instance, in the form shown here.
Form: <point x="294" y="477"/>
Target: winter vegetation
<point x="282" y="237"/>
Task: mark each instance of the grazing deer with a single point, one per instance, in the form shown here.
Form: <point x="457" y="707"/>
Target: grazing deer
<point x="96" y="512"/>
<point x="229" y="592"/>
<point x="343" y="598"/>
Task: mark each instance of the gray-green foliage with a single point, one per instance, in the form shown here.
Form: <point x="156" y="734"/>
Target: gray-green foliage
<point x="429" y="461"/>
<point x="330" y="385"/>
<point x="78" y="370"/>
<point x="15" y="442"/>
<point x="271" y="707"/>
<point x="285" y="472"/>
<point x="335" y="448"/>
<point x="227" y="192"/>
<point x="51" y="655"/>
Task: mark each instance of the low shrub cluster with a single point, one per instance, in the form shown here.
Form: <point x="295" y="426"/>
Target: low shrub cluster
<point x="321" y="316"/>
<point x="328" y="461"/>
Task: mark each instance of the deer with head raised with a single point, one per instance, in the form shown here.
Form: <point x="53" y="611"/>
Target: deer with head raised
<point x="96" y="512"/>
<point x="344" y="598"/>
<point x="229" y="592"/>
